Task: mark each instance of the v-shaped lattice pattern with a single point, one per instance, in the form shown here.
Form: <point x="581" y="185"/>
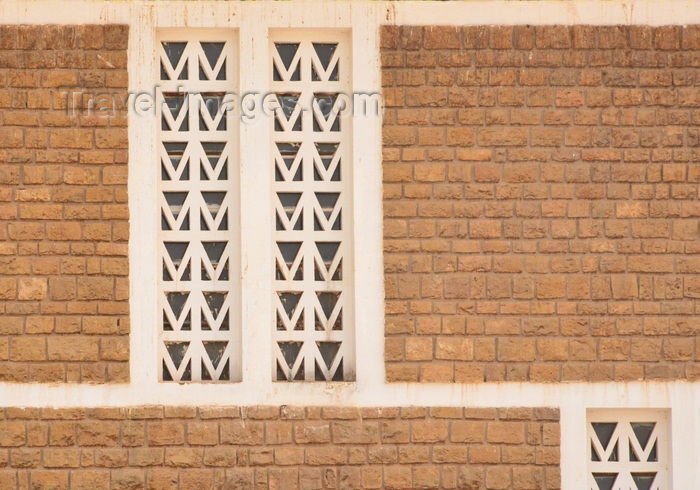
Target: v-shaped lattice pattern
<point x="628" y="451"/>
<point x="197" y="146"/>
<point x="313" y="331"/>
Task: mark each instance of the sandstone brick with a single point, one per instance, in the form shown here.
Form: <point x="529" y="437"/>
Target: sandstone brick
<point x="325" y="456"/>
<point x="90" y="479"/>
<point x="98" y="433"/>
<point x="183" y="457"/>
<point x="50" y="479"/>
<point x="61" y="458"/>
<point x="140" y="457"/>
<point x="240" y="432"/>
<point x="12" y="434"/>
<point x="352" y="433"/>
<point x="429" y="431"/>
<point x="165" y="433"/>
<point x="71" y="348"/>
<point x="32" y="289"/>
<point x="53" y="56"/>
<point x="28" y="349"/>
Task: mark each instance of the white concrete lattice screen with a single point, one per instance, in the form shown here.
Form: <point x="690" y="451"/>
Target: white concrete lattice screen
<point x="628" y="449"/>
<point x="312" y="162"/>
<point x="199" y="338"/>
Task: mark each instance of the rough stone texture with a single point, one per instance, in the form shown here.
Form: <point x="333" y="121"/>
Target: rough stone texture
<point x="63" y="207"/>
<point x="279" y="447"/>
<point x="541" y="203"/>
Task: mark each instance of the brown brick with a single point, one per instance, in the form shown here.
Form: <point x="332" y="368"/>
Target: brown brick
<point x="311" y="433"/>
<point x="98" y="433"/>
<point x="165" y="433"/>
<point x="240" y="432"/>
<point x="32" y="289"/>
<point x="50" y="479"/>
<point x="429" y="431"/>
<point x="578" y="200"/>
<point x="67" y="348"/>
<point x="12" y="434"/>
<point x="28" y="349"/>
<point x="47" y="143"/>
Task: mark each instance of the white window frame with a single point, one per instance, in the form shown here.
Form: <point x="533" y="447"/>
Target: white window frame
<point x="257" y="224"/>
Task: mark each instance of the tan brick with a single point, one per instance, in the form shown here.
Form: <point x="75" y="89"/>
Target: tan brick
<point x="90" y="479"/>
<point x="429" y="431"/>
<point x="72" y="348"/>
<point x="325" y="456"/>
<point x="32" y="289"/>
<point x="50" y="479"/>
<point x="240" y="432"/>
<point x="12" y="434"/>
<point x="183" y="457"/>
<point x="28" y="349"/>
<point x="61" y="458"/>
<point x="98" y="433"/>
<point x="146" y="457"/>
<point x="71" y="138"/>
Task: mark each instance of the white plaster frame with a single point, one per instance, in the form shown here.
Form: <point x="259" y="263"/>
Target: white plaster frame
<point x="253" y="20"/>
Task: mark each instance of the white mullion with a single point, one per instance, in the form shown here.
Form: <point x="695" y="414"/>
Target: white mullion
<point x="308" y="244"/>
<point x="257" y="245"/>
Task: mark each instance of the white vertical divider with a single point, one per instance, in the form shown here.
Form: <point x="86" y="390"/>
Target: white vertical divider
<point x="256" y="239"/>
<point x="367" y="207"/>
<point x="572" y="420"/>
<point x="685" y="439"/>
<point x="143" y="206"/>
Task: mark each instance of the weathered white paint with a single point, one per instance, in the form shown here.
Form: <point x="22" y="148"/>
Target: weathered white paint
<point x="252" y="20"/>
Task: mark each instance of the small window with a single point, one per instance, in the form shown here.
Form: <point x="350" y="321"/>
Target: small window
<point x="199" y="337"/>
<point x="313" y="331"/>
<point x="628" y="449"/>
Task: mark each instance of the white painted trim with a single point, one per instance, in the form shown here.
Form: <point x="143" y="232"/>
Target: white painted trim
<point x="253" y="19"/>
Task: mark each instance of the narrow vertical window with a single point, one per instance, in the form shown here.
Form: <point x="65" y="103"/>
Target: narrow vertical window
<point x="313" y="331"/>
<point x="198" y="248"/>
<point x="628" y="449"/>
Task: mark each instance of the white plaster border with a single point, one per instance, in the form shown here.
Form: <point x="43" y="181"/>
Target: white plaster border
<point x="253" y="19"/>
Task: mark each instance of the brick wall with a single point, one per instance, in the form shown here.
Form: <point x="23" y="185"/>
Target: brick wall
<point x="279" y="447"/>
<point x="541" y="203"/>
<point x="63" y="207"/>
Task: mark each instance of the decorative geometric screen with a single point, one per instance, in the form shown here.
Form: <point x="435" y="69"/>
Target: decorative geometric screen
<point x="628" y="450"/>
<point x="198" y="249"/>
<point x="313" y="331"/>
